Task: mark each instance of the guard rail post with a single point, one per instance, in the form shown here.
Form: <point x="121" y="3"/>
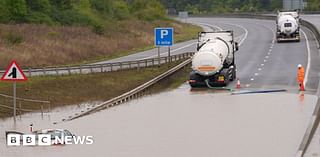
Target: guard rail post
<point x="80" y="69"/>
<point x="57" y="72"/>
<point x="29" y="71"/>
<point x="44" y="71"/>
<point x="69" y="70"/>
<point x="91" y="69"/>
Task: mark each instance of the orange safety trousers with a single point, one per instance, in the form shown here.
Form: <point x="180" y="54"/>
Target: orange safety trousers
<point x="300" y="78"/>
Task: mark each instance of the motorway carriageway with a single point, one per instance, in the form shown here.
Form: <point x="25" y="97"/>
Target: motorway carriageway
<point x="204" y="123"/>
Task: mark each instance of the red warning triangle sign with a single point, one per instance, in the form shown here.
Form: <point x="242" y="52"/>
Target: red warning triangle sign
<point x="14" y="73"/>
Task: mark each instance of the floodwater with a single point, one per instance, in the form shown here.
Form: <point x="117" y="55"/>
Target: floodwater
<point x="181" y="123"/>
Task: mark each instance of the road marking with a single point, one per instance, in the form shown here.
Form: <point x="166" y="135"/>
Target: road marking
<point x="208" y="25"/>
<point x="242" y="39"/>
<point x="256" y="74"/>
<point x="264" y="60"/>
<point x="247" y="85"/>
<point x="245" y="34"/>
<point x="259" y="69"/>
<point x="309" y="59"/>
<point x="252" y="79"/>
<point x="262" y="65"/>
<point x="267" y="57"/>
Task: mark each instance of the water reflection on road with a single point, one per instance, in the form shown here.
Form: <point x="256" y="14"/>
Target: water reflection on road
<point x="183" y="123"/>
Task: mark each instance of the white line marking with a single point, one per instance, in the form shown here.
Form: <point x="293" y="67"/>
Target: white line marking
<point x="252" y="79"/>
<point x="242" y="38"/>
<point x="247" y="85"/>
<point x="259" y="69"/>
<point x="208" y="25"/>
<point x="256" y="74"/>
<point x="262" y="64"/>
<point x="245" y="34"/>
<point x="309" y="59"/>
<point x="264" y="60"/>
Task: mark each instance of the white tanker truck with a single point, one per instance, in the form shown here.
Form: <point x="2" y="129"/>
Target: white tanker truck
<point x="288" y="26"/>
<point x="213" y="64"/>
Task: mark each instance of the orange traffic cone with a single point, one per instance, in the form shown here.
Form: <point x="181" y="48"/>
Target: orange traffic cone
<point x="238" y="83"/>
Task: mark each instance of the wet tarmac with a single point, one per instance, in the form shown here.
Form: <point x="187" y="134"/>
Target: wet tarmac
<point x="180" y="123"/>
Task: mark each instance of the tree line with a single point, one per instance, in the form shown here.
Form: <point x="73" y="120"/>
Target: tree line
<point x="224" y="6"/>
<point x="95" y="13"/>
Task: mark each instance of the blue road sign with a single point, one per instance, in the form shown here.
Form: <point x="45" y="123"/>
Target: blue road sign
<point x="163" y="36"/>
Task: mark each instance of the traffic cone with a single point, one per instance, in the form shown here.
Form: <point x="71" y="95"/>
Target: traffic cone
<point x="238" y="84"/>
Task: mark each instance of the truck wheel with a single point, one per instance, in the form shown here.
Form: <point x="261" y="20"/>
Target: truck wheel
<point x="234" y="74"/>
<point x="194" y="76"/>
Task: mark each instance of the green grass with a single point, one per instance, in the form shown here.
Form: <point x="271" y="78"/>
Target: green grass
<point x="75" y="89"/>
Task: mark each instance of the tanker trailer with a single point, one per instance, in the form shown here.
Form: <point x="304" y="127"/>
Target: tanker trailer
<point x="213" y="64"/>
<point x="288" y="28"/>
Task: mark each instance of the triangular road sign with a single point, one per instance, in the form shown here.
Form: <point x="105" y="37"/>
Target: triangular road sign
<point x="14" y="73"/>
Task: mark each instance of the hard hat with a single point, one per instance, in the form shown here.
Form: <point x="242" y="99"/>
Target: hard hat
<point x="299" y="65"/>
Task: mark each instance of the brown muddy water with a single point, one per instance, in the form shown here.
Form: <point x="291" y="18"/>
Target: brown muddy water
<point x="179" y="123"/>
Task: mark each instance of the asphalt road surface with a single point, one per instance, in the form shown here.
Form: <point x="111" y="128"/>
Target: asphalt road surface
<point x="261" y="62"/>
<point x="206" y="123"/>
<point x="314" y="19"/>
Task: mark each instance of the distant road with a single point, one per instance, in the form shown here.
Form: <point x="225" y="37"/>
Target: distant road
<point x="315" y="19"/>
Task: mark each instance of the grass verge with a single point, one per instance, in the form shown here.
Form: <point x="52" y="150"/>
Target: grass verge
<point x="38" y="45"/>
<point x="75" y="89"/>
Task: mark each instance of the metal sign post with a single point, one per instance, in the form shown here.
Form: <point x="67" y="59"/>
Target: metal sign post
<point x="169" y="54"/>
<point x="14" y="100"/>
<point x="14" y="74"/>
<point x="159" y="62"/>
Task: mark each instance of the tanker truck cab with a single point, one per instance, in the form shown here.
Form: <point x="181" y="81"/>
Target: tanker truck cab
<point x="213" y="64"/>
<point x="288" y="28"/>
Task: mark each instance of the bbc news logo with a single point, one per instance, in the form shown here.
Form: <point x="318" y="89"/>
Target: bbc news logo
<point x="46" y="140"/>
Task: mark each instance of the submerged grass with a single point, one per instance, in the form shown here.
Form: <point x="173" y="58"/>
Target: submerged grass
<point x="75" y="89"/>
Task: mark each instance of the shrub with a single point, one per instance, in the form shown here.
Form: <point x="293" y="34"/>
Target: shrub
<point x="42" y="6"/>
<point x="120" y="10"/>
<point x="17" y="10"/>
<point x="148" y="10"/>
<point x="4" y="13"/>
<point x="103" y="6"/>
<point x="39" y="17"/>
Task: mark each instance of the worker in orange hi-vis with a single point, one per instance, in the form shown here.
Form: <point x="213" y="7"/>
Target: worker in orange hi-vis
<point x="300" y="77"/>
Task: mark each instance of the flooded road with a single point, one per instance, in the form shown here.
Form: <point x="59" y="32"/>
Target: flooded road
<point x="182" y="123"/>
